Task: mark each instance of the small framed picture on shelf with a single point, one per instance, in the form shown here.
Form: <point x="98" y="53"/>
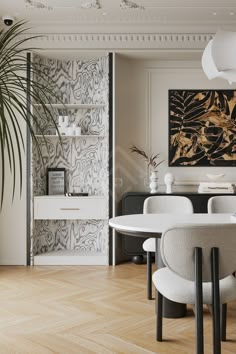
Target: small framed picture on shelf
<point x="56" y="181"/>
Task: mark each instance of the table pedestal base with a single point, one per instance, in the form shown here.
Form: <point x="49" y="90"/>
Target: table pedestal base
<point x="173" y="309"/>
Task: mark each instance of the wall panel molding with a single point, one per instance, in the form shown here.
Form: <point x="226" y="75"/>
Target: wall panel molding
<point x="122" y="41"/>
<point x="148" y="110"/>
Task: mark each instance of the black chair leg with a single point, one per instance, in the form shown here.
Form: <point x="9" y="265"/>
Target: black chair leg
<point x="149" y="275"/>
<point x="199" y="301"/>
<point x="216" y="300"/>
<point x="223" y="321"/>
<point x="159" y="300"/>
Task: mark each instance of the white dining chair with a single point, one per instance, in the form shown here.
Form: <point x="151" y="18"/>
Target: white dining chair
<point x="162" y="204"/>
<point x="222" y="204"/>
<point x="199" y="260"/>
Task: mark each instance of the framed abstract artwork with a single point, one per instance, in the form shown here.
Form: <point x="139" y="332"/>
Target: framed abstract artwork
<point x="202" y="127"/>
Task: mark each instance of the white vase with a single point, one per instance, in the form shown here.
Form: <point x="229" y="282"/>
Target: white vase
<point x="153" y="182"/>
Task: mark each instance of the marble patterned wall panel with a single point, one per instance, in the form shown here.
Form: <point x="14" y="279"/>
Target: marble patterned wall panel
<point x="81" y="235"/>
<point x="77" y="81"/>
<point x="91" y="121"/>
<point x="59" y="72"/>
<point x="89" y="170"/>
<point x="90" y="81"/>
<point x="44" y="124"/>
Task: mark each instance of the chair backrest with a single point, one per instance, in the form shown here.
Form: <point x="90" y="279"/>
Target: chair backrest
<point x="222" y="204"/>
<point x="167" y="204"/>
<point x="178" y="244"/>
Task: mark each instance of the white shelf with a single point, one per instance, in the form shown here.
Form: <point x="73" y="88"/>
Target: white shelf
<point x="71" y="257"/>
<point x="70" y="136"/>
<point x="65" y="197"/>
<point x="70" y="208"/>
<point x="72" y="105"/>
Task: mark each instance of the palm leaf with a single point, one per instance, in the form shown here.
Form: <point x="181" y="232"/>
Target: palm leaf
<point x="15" y="97"/>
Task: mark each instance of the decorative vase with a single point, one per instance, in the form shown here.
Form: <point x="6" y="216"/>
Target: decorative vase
<point x="153" y="182"/>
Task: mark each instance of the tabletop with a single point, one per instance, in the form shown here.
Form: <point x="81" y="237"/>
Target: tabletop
<point x="156" y="223"/>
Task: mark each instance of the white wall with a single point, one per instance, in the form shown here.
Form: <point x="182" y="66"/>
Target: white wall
<point x="142" y="118"/>
<point x="13" y="219"/>
<point x="130" y="124"/>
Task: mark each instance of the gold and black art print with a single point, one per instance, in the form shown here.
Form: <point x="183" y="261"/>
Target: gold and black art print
<point x="202" y="128"/>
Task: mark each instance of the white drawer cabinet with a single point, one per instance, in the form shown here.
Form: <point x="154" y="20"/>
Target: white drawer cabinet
<point x="70" y="208"/>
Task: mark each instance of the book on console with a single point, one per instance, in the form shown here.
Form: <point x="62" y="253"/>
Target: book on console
<point x="215" y="190"/>
<point x="216" y="187"/>
<point x="216" y="184"/>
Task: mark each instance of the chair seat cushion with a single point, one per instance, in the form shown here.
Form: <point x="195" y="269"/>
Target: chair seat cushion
<point x="181" y="290"/>
<point x="149" y="245"/>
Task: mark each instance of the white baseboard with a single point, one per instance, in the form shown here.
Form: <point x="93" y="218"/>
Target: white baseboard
<point x="68" y="257"/>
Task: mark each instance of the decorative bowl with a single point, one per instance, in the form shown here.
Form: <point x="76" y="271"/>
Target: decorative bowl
<point x="214" y="177"/>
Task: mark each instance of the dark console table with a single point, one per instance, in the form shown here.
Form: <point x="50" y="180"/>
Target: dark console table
<point x="132" y="203"/>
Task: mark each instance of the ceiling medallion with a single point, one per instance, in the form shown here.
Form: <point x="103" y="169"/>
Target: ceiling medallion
<point x="36" y="5"/>
<point x="92" y="4"/>
<point x="125" y="4"/>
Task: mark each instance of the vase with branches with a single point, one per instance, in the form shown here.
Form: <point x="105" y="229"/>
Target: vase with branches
<point x="152" y="164"/>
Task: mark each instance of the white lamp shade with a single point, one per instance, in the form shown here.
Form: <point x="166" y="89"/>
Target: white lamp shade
<point x="224" y="50"/>
<point x="219" y="57"/>
<point x="208" y="63"/>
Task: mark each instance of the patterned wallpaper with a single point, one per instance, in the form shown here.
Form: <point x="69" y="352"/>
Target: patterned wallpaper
<point x="77" y="81"/>
<point x="85" y="161"/>
<point x="84" y="158"/>
<point x="82" y="235"/>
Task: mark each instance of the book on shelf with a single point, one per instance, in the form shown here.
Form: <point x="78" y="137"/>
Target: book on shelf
<point x="216" y="187"/>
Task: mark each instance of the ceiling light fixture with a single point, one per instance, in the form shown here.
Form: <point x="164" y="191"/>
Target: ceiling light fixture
<point x="92" y="4"/>
<point x="36" y="5"/>
<point x="125" y="4"/>
<point x="218" y="59"/>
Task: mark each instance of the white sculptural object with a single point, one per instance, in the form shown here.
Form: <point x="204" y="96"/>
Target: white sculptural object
<point x="169" y="181"/>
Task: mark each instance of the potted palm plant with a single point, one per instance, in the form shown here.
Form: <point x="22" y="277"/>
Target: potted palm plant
<point x="20" y="84"/>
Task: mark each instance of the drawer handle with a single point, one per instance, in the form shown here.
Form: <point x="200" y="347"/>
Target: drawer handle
<point x="69" y="208"/>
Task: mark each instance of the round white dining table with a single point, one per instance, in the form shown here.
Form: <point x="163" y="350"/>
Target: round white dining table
<point x="153" y="225"/>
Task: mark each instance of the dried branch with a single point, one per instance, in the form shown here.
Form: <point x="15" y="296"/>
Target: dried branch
<point x="151" y="160"/>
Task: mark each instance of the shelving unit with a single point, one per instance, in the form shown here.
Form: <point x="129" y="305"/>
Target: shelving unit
<point x="70" y="136"/>
<point x="73" y="230"/>
<point x="73" y="105"/>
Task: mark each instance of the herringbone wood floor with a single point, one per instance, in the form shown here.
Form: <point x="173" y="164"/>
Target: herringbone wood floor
<point x="91" y="309"/>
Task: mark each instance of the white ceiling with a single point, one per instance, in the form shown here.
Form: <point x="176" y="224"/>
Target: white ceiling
<point x="67" y="16"/>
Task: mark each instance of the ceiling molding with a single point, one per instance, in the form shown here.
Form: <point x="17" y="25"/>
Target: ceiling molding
<point x="122" y="41"/>
<point x="123" y="16"/>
